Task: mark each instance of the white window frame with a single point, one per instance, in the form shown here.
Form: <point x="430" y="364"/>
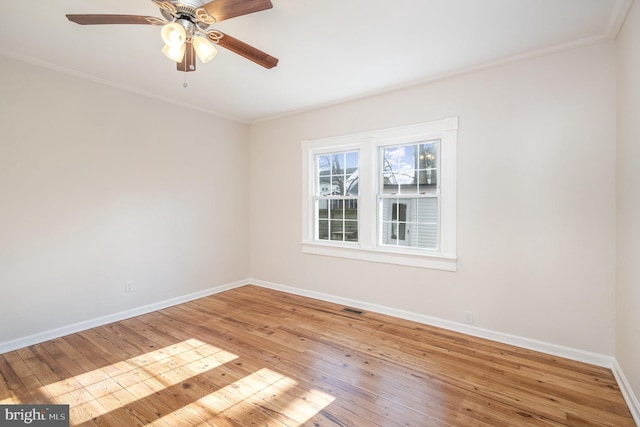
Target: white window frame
<point x="368" y="247"/>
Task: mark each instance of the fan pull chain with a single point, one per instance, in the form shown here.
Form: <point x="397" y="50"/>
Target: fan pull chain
<point x="185" y="85"/>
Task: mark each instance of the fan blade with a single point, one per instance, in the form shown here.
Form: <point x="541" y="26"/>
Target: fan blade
<point x="226" y="9"/>
<point x="111" y="19"/>
<point x="189" y="61"/>
<point x="248" y="51"/>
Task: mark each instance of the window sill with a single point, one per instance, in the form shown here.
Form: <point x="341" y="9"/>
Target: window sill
<point x="421" y="260"/>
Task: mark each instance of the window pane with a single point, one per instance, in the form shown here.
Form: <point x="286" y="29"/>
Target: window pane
<point x="338" y="220"/>
<point x="337" y="167"/>
<point x="389" y="183"/>
<point x="337" y="185"/>
<point x="351" y="209"/>
<point x="336" y="179"/>
<point x="336" y="230"/>
<point x="352" y="160"/>
<point x="324" y="165"/>
<point x="410" y="222"/>
<point x="351" y="231"/>
<point x="337" y="215"/>
<point x="394" y="219"/>
<point x="400" y="160"/>
<point x="428" y="166"/>
<point x="323" y="229"/>
<point x="410" y="169"/>
<point x="324" y="175"/>
<point x="426" y="236"/>
<point x="323" y="209"/>
<point x="427" y="210"/>
<point x="351" y="220"/>
<point x="352" y="174"/>
<point x="399" y="171"/>
<point x="337" y="209"/>
<point x="398" y="221"/>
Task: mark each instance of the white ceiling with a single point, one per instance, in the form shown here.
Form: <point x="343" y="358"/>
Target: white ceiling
<point x="329" y="51"/>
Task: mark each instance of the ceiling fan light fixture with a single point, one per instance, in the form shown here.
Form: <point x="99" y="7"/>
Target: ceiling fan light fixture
<point x="204" y="49"/>
<point x="174" y="53"/>
<point x="185" y="28"/>
<point x="173" y="34"/>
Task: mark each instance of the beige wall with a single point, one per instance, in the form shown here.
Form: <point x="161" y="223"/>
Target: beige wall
<point x="99" y="186"/>
<point x="628" y="201"/>
<point x="536" y="200"/>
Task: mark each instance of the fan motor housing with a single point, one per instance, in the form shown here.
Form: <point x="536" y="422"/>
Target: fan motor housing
<point x="179" y="12"/>
<point x="184" y="9"/>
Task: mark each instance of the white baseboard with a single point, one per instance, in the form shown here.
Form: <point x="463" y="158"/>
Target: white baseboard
<point x="553" y="349"/>
<point x="99" y="321"/>
<point x="627" y="391"/>
<point x="530" y="344"/>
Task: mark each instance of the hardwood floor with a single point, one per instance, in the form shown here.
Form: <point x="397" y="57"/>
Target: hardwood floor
<point x="254" y="356"/>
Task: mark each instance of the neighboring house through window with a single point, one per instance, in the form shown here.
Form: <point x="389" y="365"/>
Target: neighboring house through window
<point x="408" y="193"/>
<point x="383" y="196"/>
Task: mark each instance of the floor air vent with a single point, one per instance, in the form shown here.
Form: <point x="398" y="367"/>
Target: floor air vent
<point x="351" y="310"/>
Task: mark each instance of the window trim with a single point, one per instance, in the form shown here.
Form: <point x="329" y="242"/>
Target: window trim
<point x="368" y="144"/>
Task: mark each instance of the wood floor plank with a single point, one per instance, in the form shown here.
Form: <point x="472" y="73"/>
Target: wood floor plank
<point x="253" y="356"/>
<point x="9" y="364"/>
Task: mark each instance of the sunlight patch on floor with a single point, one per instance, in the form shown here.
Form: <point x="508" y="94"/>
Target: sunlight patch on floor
<point x="178" y="385"/>
<point x="126" y="382"/>
<point x="263" y="393"/>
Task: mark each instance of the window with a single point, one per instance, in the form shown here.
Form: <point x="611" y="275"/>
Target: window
<point x="336" y="198"/>
<point x="383" y="196"/>
<point x="408" y="195"/>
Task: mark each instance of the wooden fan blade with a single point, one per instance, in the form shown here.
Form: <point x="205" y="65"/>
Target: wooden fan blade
<point x="226" y="9"/>
<point x="245" y="50"/>
<point x="111" y="19"/>
<point x="189" y="61"/>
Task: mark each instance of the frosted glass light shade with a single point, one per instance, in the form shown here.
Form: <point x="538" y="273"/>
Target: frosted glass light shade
<point x="204" y="49"/>
<point x="174" y="53"/>
<point x="173" y="34"/>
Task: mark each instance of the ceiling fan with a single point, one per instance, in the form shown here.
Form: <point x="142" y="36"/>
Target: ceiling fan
<point x="185" y="29"/>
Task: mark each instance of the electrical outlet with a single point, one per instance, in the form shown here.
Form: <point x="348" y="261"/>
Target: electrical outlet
<point x="468" y="317"/>
<point x="128" y="287"/>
